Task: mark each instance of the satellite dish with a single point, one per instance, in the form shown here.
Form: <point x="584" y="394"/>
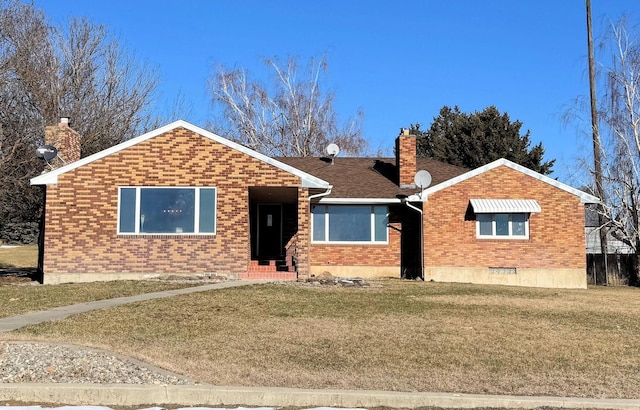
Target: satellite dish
<point x="422" y="179"/>
<point x="333" y="150"/>
<point x="47" y="152"/>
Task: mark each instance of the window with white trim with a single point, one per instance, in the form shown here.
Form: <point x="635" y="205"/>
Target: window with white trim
<point x="349" y="223"/>
<point x="502" y="226"/>
<point x="167" y="210"/>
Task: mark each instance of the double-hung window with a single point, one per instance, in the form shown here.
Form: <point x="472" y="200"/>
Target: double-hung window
<point x="350" y="223"/>
<point x="502" y="226"/>
<point x="167" y="210"/>
<point x="503" y="218"/>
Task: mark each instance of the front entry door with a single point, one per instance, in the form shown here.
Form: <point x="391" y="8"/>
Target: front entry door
<point x="269" y="231"/>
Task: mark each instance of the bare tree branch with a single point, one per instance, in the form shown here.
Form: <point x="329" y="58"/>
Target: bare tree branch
<point x="292" y="117"/>
<point x="619" y="111"/>
<point x="78" y="71"/>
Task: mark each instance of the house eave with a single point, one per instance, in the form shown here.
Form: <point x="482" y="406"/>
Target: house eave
<point x="584" y="197"/>
<point x="359" y="201"/>
<point x="315" y="183"/>
<point x="419" y="197"/>
<point x="44" y="179"/>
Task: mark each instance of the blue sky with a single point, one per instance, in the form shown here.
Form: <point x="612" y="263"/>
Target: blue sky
<point x="398" y="61"/>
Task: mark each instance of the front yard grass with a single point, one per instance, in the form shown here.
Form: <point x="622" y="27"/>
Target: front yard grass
<point x="16" y="299"/>
<point x="26" y="297"/>
<point x="25" y="256"/>
<point x="393" y="335"/>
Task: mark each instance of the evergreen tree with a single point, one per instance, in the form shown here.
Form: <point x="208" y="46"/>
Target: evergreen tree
<point x="473" y="140"/>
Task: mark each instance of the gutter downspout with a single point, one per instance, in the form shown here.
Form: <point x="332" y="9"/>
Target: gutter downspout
<point x="321" y="193"/>
<point x="408" y="204"/>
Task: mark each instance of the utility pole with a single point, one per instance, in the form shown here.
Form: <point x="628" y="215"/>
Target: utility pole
<point x="597" y="146"/>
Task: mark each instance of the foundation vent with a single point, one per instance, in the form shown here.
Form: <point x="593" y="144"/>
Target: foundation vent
<point x="503" y="271"/>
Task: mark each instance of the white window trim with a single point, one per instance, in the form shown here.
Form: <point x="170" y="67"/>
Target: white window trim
<point x="196" y="200"/>
<point x="372" y="241"/>
<point x="509" y="237"/>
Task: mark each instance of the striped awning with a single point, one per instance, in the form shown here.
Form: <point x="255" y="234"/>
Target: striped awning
<point x="504" y="206"/>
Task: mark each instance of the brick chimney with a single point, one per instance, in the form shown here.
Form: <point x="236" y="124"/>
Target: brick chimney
<point x="65" y="139"/>
<point x="406" y="158"/>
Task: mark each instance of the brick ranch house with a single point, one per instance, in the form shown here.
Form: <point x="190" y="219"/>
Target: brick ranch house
<point x="181" y="200"/>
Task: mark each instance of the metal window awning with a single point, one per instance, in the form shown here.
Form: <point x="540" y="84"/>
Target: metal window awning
<point x="504" y="206"/>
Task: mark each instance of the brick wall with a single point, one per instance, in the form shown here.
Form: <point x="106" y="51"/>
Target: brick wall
<point x="406" y="159"/>
<point x="359" y="255"/>
<point x="556" y="234"/>
<point x="81" y="210"/>
<point x="65" y="139"/>
<point x="304" y="233"/>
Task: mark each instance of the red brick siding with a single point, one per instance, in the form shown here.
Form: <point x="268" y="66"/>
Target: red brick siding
<point x="406" y="159"/>
<point x="81" y="232"/>
<point x="556" y="234"/>
<point x="65" y="139"/>
<point x="359" y="255"/>
<point x="304" y="233"/>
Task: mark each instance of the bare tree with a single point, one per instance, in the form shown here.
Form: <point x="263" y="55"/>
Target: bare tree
<point x="78" y="71"/>
<point x="619" y="112"/>
<point x="101" y="86"/>
<point x="24" y="45"/>
<point x="292" y="117"/>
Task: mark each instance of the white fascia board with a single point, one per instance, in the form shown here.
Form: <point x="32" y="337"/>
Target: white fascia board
<point x="312" y="182"/>
<point x="308" y="180"/>
<point x="585" y="198"/>
<point x="359" y="201"/>
<point x="416" y="197"/>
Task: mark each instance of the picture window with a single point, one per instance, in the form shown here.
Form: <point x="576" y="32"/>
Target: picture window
<point x="167" y="210"/>
<point x="350" y="223"/>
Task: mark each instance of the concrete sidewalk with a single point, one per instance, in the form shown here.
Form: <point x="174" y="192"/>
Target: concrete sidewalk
<point x="11" y="323"/>
<point x="202" y="395"/>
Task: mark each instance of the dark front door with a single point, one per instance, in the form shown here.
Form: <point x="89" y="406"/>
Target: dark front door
<point x="269" y="231"/>
<point x="411" y="244"/>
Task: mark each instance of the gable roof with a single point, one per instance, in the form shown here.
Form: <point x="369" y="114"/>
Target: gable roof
<point x="368" y="178"/>
<point x="584" y="197"/>
<point x="308" y="180"/>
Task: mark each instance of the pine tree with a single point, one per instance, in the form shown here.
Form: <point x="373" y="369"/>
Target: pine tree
<point x="473" y="140"/>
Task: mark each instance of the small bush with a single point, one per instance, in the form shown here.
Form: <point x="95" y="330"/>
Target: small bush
<point x="19" y="233"/>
